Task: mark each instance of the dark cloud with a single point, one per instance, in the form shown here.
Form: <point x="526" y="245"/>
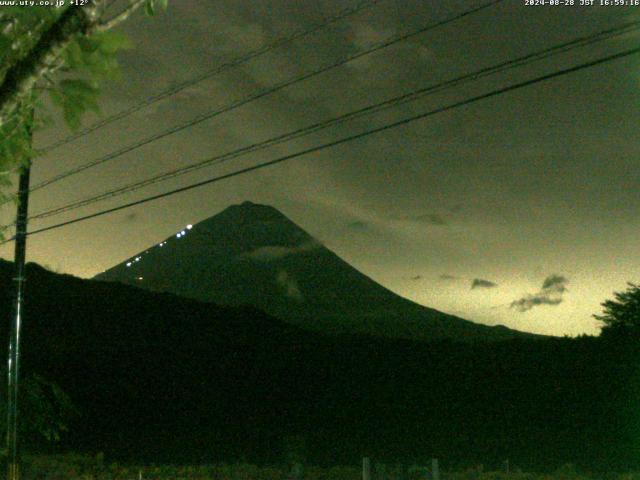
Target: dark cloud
<point x="446" y="276"/>
<point x="556" y="282"/>
<point x="551" y="293"/>
<point x="276" y="252"/>
<point x="527" y="303"/>
<point x="482" y="283"/>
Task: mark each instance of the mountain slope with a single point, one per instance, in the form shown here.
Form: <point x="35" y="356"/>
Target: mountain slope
<point x="252" y="254"/>
<point x="161" y="378"/>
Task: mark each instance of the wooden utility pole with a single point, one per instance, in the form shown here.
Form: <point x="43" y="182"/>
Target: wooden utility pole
<point x="13" y="362"/>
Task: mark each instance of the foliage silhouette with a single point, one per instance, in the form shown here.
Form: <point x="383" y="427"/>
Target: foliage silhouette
<point x="622" y="315"/>
<point x="47" y="410"/>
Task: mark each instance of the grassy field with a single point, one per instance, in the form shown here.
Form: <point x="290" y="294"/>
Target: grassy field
<point x="72" y="467"/>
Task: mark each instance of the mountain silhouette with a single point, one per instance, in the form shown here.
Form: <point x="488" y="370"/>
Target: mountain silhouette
<point x="160" y="378"/>
<point x="253" y="255"/>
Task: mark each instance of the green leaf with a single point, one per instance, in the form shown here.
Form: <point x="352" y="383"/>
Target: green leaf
<point x="73" y="55"/>
<point x="56" y="97"/>
<point x="112" y="42"/>
<point x="75" y="96"/>
<point x="77" y="88"/>
<point x="150" y="8"/>
<point x="87" y="45"/>
<point x="5" y="46"/>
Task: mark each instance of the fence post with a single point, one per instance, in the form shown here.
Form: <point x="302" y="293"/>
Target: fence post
<point x="366" y="468"/>
<point x="435" y="469"/>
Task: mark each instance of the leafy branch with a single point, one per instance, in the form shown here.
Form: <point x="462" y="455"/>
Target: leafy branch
<point x="70" y="50"/>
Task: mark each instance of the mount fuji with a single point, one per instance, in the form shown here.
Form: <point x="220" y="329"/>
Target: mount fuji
<point x="253" y="255"/>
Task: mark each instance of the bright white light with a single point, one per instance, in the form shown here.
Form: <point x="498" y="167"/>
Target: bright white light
<point x="189" y="227"/>
<point x="128" y="264"/>
<point x="139" y="278"/>
<point x="178" y="235"/>
<point x="183" y="232"/>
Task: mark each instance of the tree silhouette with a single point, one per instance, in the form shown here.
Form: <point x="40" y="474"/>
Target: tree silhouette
<point x="623" y="313"/>
<point x="48" y="410"/>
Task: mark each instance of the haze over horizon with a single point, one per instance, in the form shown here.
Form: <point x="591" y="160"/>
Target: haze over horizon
<point x="518" y="210"/>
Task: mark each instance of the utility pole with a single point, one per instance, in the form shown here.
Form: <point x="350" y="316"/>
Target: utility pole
<point x="13" y="362"/>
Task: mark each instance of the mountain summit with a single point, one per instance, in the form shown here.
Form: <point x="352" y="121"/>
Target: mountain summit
<point x="252" y="254"/>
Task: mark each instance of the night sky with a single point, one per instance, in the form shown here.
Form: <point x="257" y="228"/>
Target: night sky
<point x="520" y="210"/>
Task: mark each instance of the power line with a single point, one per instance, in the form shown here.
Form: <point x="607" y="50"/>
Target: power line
<point x="279" y="42"/>
<point x="255" y="96"/>
<point x="368" y="110"/>
<point x="343" y="140"/>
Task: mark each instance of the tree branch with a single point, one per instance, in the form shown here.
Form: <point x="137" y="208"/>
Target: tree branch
<point x="22" y="77"/>
<point x="122" y="16"/>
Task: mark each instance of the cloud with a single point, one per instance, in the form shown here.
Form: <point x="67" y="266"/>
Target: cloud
<point x="556" y="282"/>
<point x="276" y="252"/>
<point x="446" y="276"/>
<point x="481" y="283"/>
<point x="553" y="288"/>
<point x="289" y="285"/>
